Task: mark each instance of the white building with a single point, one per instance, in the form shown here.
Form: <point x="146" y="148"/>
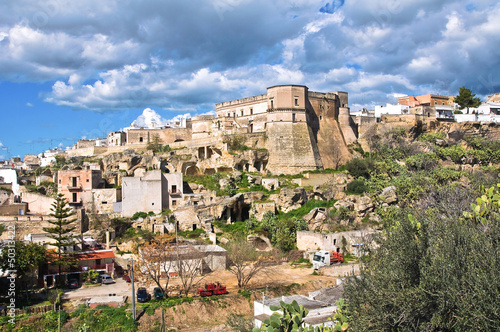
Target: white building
<point x="391" y="109"/>
<point x="154" y="191"/>
<point x="486" y="112"/>
<point x="10" y="176"/>
<point x="49" y="156"/>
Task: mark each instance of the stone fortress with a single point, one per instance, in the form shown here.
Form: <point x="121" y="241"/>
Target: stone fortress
<point x="301" y="130"/>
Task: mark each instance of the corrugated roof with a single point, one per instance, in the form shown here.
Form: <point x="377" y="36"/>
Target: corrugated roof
<point x="302" y="300"/>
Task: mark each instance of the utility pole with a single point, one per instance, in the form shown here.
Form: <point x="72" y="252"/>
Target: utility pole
<point x="133" y="288"/>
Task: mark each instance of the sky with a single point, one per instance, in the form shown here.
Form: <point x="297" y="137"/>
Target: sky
<point x="79" y="69"/>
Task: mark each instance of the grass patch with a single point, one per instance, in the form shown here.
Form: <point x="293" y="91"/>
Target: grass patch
<point x="306" y="208"/>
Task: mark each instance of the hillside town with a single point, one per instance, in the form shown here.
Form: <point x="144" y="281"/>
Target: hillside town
<point x="181" y="193"/>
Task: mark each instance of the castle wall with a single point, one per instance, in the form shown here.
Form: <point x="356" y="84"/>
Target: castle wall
<point x="292" y="148"/>
<point x="323" y="115"/>
<point x="166" y="135"/>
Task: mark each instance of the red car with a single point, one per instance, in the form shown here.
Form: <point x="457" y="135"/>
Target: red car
<point x="127" y="278"/>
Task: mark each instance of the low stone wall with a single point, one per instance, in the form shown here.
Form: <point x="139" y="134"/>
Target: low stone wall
<point x="37" y="203"/>
<point x="340" y="270"/>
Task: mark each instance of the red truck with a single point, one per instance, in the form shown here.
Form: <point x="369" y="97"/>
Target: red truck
<point x="212" y="289"/>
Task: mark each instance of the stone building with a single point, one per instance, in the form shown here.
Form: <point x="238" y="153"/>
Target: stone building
<point x="73" y="183"/>
<point x="166" y="135"/>
<point x="155" y="191"/>
<point x="117" y="138"/>
<point x="306" y="130"/>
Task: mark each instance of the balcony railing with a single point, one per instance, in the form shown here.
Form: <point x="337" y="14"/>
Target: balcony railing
<point x="175" y="192"/>
<point x="74" y="188"/>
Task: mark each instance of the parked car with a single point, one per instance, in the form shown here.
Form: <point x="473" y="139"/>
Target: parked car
<point x="143" y="295"/>
<point x="106" y="279"/>
<point x="73" y="283"/>
<point x="158" y="293"/>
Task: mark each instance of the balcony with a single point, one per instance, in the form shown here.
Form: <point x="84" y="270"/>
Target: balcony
<point x="175" y="192"/>
<point x="77" y="203"/>
<point x="74" y="188"/>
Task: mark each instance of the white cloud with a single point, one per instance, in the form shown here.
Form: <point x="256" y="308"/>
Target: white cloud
<point x="187" y="56"/>
<point x="151" y="119"/>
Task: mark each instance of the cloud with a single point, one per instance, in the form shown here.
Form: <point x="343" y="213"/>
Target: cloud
<point x="151" y="119"/>
<point x="187" y="56"/>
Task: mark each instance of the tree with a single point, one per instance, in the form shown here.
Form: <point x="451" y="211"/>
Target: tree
<point x="28" y="257"/>
<point x="466" y="99"/>
<point x="156" y="259"/>
<point x="61" y="232"/>
<point x="244" y="261"/>
<point x="435" y="269"/>
<point x="283" y="233"/>
<point x="155" y="143"/>
<point x="189" y="265"/>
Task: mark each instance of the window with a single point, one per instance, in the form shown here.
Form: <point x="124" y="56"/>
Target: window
<point x="104" y="202"/>
<point x="272" y="104"/>
<point x="152" y="203"/>
<point x="251" y="111"/>
<point x="59" y="181"/>
<point x="140" y="139"/>
<point x="88" y="180"/>
<point x="74" y="181"/>
<point x="296" y="101"/>
<point x="293" y="117"/>
<point x="174" y="188"/>
<point x="75" y="197"/>
<point x="321" y="117"/>
<point x="174" y="202"/>
<point x="242" y="112"/>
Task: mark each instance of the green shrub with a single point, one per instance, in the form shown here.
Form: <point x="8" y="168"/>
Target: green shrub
<point x="356" y="187"/>
<point x="251" y="223"/>
<point x="455" y="153"/>
<point x="422" y="161"/>
<point x="359" y="167"/>
<point x="431" y="137"/>
<point x="445" y="175"/>
<point x="138" y="215"/>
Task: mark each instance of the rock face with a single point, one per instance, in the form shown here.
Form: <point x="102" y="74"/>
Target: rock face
<point x="260" y="242"/>
<point x="290" y="199"/>
<point x="363" y="204"/>
<point x="316" y="219"/>
<point x="388" y="195"/>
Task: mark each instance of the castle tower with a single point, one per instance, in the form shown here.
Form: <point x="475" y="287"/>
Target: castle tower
<point x="291" y="142"/>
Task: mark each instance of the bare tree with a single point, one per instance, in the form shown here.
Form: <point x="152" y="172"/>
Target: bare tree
<point x="156" y="260"/>
<point x="245" y="261"/>
<point x="189" y="266"/>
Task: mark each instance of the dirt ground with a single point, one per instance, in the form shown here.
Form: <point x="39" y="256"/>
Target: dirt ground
<point x="204" y="316"/>
<point x="201" y="316"/>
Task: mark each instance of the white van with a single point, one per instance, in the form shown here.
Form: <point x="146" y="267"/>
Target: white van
<point x="106" y="279"/>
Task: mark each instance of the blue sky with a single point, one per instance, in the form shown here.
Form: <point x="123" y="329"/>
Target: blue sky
<point x="73" y="69"/>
